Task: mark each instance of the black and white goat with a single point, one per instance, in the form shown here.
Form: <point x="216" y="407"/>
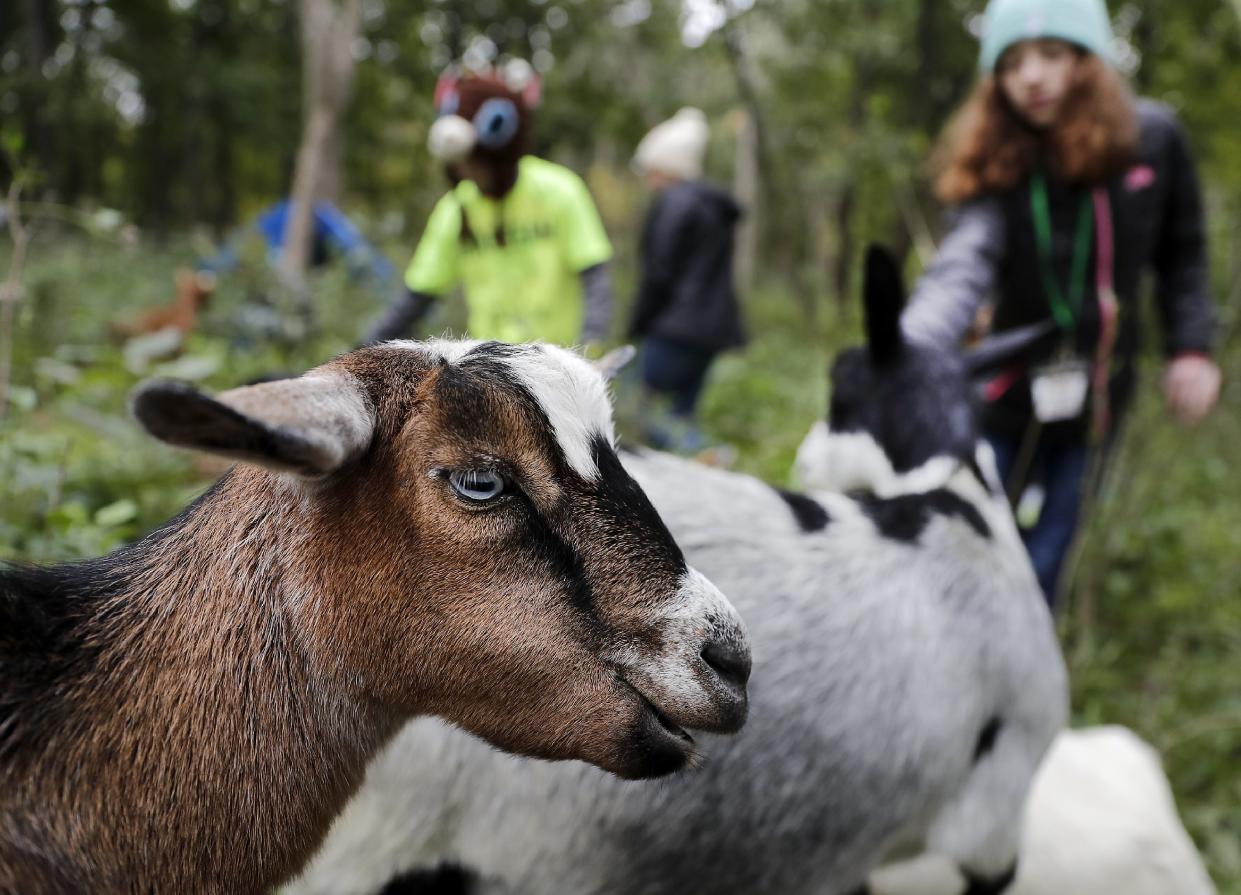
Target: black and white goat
<point x="415" y="529"/>
<point x="907" y="682"/>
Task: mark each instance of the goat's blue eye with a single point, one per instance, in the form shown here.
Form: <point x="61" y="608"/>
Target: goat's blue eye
<point x="477" y="485"/>
<point x="496" y="122"/>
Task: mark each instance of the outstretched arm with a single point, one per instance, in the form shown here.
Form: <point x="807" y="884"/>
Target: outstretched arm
<point x="433" y="271"/>
<point x="1192" y="380"/>
<point x="598" y="296"/>
<point x="961" y="277"/>
<point x="400" y="317"/>
<point x="1185" y="305"/>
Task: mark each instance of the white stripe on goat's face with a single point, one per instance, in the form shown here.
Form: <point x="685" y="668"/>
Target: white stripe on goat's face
<point x="569" y="391"/>
<point x="474" y="549"/>
<point x="575" y="399"/>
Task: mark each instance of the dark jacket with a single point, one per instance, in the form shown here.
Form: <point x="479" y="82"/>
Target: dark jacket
<point x="990" y="249"/>
<point x="686" y="293"/>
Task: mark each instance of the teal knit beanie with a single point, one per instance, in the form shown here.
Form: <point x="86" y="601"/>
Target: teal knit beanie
<point x="1082" y="22"/>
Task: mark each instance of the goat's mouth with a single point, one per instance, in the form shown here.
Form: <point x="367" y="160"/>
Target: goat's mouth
<point x="657" y="745"/>
<point x="673" y="730"/>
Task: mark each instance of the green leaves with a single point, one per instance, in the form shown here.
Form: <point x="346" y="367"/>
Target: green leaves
<point x="117" y="513"/>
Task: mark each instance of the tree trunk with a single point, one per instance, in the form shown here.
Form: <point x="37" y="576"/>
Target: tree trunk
<point x="328" y="29"/>
<point x="1145" y="38"/>
<point x="332" y="171"/>
<point x="791" y="227"/>
<point x="38" y="43"/>
<point x="299" y="227"/>
<point x="844" y="248"/>
<point x="934" y="85"/>
<point x="746" y="187"/>
<point x="11" y="288"/>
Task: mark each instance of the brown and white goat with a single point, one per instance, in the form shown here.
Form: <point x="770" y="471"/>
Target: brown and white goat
<point x="415" y="528"/>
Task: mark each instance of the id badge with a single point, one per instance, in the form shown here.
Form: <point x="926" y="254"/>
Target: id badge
<point x="1059" y="390"/>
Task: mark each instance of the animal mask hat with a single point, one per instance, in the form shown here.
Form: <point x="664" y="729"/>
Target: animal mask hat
<point x="486" y="117"/>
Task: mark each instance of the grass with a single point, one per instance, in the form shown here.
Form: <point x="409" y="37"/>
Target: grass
<point x="1153" y="625"/>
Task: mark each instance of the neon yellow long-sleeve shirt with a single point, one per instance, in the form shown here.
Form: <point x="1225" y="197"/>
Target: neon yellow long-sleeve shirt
<point x="528" y="288"/>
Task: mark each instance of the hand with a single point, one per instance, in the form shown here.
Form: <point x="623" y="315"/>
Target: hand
<point x="1191" y="387"/>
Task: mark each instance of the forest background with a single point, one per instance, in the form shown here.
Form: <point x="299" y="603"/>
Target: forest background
<point x="137" y="136"/>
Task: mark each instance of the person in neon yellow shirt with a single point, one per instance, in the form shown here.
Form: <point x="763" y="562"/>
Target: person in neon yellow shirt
<point x="521" y="235"/>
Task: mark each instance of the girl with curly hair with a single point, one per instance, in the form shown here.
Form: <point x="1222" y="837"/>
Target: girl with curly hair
<point x="1065" y="190"/>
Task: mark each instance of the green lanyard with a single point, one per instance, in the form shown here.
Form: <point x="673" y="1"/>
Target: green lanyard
<point x="1062" y="308"/>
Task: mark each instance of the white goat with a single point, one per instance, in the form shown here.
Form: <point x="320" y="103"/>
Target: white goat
<point x="416" y="529"/>
<point x="907" y="682"/>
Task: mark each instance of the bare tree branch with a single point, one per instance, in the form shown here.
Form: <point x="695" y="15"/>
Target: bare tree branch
<point x="11" y="290"/>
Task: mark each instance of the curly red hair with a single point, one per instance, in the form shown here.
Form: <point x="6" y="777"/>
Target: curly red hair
<point x="988" y="147"/>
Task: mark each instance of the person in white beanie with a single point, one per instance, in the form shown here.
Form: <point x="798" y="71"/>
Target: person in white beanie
<point x="674" y="149"/>
<point x="686" y="310"/>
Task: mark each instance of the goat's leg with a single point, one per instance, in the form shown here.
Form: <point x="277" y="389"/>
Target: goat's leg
<point x="447" y="879"/>
<point x="993" y="885"/>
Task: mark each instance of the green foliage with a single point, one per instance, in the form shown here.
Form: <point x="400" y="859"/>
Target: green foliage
<point x="77" y="478"/>
<point x="187" y="113"/>
<point x="1153" y="628"/>
<point x="764" y="400"/>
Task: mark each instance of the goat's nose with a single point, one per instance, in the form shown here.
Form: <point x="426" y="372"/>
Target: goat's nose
<point x="730" y="661"/>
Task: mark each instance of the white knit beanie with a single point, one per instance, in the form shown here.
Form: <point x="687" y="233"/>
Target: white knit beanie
<point x="675" y="147"/>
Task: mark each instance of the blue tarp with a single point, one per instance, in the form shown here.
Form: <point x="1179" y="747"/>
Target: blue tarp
<point x="334" y="234"/>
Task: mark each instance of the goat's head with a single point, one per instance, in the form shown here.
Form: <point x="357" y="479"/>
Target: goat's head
<point x="474" y="549"/>
<point x="899" y="406"/>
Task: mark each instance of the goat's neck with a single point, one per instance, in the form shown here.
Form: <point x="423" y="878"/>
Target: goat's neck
<point x="204" y="725"/>
<point x="936" y="472"/>
<point x="978" y="481"/>
<point x="975" y="476"/>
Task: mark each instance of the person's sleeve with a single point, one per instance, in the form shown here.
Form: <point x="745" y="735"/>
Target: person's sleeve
<point x="435" y="267"/>
<point x="661" y="249"/>
<point x="962" y="276"/>
<point x="582" y="237"/>
<point x="1183" y="292"/>
<point x="597" y="294"/>
<point x="400" y="317"/>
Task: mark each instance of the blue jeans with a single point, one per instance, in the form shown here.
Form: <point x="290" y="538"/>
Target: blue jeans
<point x="673" y="376"/>
<point x="1061" y="468"/>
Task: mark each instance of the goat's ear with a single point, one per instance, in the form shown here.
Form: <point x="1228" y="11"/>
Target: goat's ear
<point x="310" y="426"/>
<point x="883" y="294"/>
<point x="1013" y="346"/>
<point x="615" y="360"/>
